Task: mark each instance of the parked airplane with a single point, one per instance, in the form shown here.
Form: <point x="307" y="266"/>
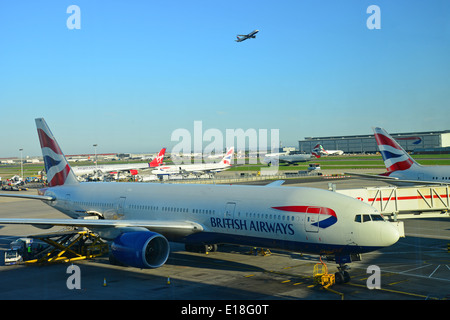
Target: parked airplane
<point x="142" y="217"/>
<point x="224" y="164"/>
<point x="275" y="158"/>
<point x="318" y="151"/>
<point x="246" y="36"/>
<point x="401" y="168"/>
<point x="132" y="168"/>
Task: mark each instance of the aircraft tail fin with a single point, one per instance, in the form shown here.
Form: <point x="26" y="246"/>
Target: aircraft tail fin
<point x="158" y="160"/>
<point x="317" y="151"/>
<point x="58" y="169"/>
<point x="394" y="156"/>
<point x="228" y="157"/>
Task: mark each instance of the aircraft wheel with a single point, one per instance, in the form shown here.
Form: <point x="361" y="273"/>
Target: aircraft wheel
<point x="339" y="278"/>
<point x="346" y="277"/>
<point x="201" y="248"/>
<point x="211" y="248"/>
<point x="342" y="277"/>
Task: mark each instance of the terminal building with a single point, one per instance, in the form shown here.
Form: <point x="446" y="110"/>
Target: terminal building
<point x="414" y="142"/>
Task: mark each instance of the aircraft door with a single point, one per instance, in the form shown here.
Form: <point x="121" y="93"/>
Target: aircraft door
<point x="312" y="219"/>
<point x="121" y="205"/>
<point x="229" y="215"/>
<point x="229" y="210"/>
<point x="67" y="202"/>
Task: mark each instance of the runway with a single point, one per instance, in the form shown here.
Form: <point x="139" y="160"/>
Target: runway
<point x="417" y="268"/>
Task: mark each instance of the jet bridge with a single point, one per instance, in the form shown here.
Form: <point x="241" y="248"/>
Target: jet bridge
<point x="405" y="202"/>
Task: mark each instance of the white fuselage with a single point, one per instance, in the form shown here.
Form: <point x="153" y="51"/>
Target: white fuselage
<point x="332" y="152"/>
<point x="245" y="215"/>
<point x="179" y="169"/>
<point x="424" y="173"/>
<point x="81" y="170"/>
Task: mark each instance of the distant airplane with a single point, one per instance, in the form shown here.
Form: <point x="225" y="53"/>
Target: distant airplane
<point x="246" y="36"/>
<point x="285" y="157"/>
<point x="141" y="218"/>
<point x="198" y="168"/>
<point x="275" y="158"/>
<point x="401" y="168"/>
<point x="318" y="150"/>
<point x="132" y="168"/>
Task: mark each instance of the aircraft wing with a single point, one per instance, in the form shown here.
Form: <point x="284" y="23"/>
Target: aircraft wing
<point x="275" y="183"/>
<point x="394" y="180"/>
<point x="161" y="226"/>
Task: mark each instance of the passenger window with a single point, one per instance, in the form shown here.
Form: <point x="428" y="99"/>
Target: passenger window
<point x="358" y="218"/>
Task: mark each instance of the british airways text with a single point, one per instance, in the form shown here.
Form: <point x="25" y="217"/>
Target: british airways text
<point x="259" y="226"/>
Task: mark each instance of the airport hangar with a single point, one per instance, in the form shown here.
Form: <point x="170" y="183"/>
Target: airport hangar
<point x="417" y="142"/>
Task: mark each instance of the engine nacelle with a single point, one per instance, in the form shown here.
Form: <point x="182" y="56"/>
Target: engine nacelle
<point x="141" y="249"/>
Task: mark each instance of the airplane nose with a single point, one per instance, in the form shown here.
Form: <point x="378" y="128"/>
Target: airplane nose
<point x="389" y="234"/>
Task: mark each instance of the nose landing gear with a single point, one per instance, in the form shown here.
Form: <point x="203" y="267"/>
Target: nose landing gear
<point x="342" y="276"/>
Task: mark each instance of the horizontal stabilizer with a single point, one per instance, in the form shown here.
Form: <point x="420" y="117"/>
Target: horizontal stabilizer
<point x="27" y="196"/>
<point x="394" y="180"/>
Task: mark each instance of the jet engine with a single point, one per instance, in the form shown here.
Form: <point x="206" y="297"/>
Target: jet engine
<point x="141" y="249"/>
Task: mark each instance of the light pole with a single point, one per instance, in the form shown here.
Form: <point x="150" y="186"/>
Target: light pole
<point x="95" y="148"/>
<point x="21" y="164"/>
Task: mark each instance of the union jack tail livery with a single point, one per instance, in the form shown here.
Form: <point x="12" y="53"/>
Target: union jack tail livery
<point x="317" y="151"/>
<point x="394" y="156"/>
<point x="57" y="168"/>
<point x="227" y="159"/>
<point x="158" y="160"/>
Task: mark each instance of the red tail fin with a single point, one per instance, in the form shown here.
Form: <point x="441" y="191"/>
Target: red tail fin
<point x="158" y="160"/>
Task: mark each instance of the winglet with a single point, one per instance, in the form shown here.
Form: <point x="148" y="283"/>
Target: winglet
<point x="276" y="183"/>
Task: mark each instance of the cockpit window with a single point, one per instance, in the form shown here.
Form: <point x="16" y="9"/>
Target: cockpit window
<point x="376" y="217"/>
<point x="368" y="217"/>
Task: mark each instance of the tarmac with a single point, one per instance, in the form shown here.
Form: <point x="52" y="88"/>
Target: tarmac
<point x="417" y="267"/>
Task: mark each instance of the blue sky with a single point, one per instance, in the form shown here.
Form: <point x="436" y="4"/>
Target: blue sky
<point x="138" y="70"/>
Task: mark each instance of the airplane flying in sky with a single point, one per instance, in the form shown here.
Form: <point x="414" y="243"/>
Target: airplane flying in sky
<point x="401" y="168"/>
<point x="132" y="168"/>
<point x="318" y="151"/>
<point x="224" y="164"/>
<point x="140" y="218"/>
<point x="246" y="36"/>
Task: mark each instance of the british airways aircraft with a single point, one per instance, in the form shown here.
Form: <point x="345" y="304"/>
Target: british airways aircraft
<point x="141" y="218"/>
<point x="401" y="168"/>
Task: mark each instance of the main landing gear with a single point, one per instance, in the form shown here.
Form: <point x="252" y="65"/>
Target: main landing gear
<point x="201" y="248"/>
